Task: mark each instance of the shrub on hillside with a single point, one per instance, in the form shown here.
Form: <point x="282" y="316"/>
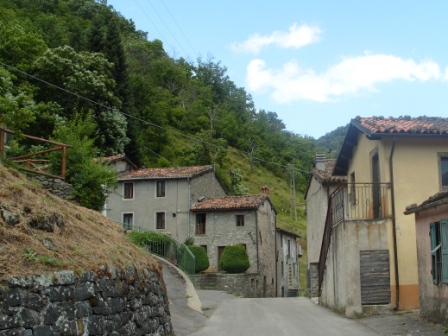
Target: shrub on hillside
<point x="234" y="259"/>
<point x="201" y="258"/>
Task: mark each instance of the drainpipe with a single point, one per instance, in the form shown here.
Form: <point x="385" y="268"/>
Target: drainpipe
<point x="394" y="226"/>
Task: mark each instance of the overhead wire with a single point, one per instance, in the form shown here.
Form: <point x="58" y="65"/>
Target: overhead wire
<point x="188" y="41"/>
<point x="148" y="122"/>
<point x="147" y="16"/>
<point x="174" y="37"/>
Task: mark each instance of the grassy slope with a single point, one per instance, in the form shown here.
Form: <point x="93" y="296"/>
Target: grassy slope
<point x="85" y="241"/>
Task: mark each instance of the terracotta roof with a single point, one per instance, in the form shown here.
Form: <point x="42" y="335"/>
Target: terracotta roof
<point x="431" y="202"/>
<point x="107" y="159"/>
<point x="406" y="125"/>
<point x="325" y="175"/>
<point x="289" y="232"/>
<point x="230" y="203"/>
<point x="171" y="172"/>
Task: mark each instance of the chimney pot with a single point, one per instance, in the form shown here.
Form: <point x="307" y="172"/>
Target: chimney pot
<point x="319" y="161"/>
<point x="265" y="190"/>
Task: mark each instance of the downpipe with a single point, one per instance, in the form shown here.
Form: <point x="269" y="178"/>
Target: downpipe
<point x="394" y="226"/>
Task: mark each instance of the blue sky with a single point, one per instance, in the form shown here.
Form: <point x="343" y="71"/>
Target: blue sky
<point x="317" y="64"/>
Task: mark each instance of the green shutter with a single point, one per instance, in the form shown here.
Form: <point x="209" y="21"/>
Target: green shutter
<point x="432" y="235"/>
<point x="444" y="239"/>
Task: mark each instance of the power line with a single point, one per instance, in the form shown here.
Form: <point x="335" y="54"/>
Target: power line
<point x="167" y="27"/>
<point x="188" y="41"/>
<point x="148" y="122"/>
<point x="163" y="38"/>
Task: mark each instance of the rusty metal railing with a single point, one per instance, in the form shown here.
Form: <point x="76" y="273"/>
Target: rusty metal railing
<point x="30" y="163"/>
<point x="353" y="201"/>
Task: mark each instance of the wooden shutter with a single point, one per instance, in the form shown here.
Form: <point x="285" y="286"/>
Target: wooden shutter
<point x="375" y="277"/>
<point x="444" y="241"/>
<point x="434" y="261"/>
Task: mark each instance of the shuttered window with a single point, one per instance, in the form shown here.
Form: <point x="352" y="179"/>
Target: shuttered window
<point x="438" y="232"/>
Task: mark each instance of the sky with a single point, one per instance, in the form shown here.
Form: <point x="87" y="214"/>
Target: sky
<point x="317" y="64"/>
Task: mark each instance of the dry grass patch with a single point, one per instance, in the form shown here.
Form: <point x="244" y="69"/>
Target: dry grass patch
<point x="78" y="239"/>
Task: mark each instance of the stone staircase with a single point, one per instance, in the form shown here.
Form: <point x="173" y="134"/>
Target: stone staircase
<point x="292" y="292"/>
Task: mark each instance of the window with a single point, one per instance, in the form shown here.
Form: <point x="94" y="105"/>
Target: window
<point x="128" y="190"/>
<point x="128" y="221"/>
<point x="289" y="248"/>
<point x="352" y="189"/>
<point x="200" y="223"/>
<point x="245" y="246"/>
<point x="160" y="189"/>
<point x="443" y="162"/>
<point x="438" y="232"/>
<point x="239" y="220"/>
<point x="160" y="220"/>
<point x="205" y="247"/>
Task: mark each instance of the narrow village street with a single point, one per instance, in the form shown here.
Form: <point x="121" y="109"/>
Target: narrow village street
<point x="225" y="314"/>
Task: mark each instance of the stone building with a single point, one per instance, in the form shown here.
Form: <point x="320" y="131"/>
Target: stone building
<point x="287" y="255"/>
<point x="246" y="220"/>
<point x="160" y="199"/>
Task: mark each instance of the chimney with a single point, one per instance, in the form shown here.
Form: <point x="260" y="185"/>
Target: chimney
<point x="265" y="190"/>
<point x="319" y="161"/>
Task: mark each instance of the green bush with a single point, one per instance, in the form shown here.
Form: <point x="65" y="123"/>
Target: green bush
<point x="201" y="258"/>
<point x="234" y="259"/>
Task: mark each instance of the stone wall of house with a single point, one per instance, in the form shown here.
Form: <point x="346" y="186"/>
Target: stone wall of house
<point x="206" y="185"/>
<point x="249" y="285"/>
<point x="108" y="301"/>
<point x="56" y="186"/>
<point x="221" y="230"/>
<point x="313" y="280"/>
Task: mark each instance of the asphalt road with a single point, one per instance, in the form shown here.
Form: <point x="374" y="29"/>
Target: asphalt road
<point x="217" y="313"/>
<point x="275" y="316"/>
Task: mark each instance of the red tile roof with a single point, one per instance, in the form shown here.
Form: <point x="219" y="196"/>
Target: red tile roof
<point x="230" y="203"/>
<point x="325" y="175"/>
<point x="433" y="201"/>
<point x="407" y="125"/>
<point x="171" y="172"/>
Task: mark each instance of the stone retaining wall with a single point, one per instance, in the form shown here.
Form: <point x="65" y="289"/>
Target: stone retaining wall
<point x="249" y="285"/>
<point x="108" y="301"/>
<point x="56" y="186"/>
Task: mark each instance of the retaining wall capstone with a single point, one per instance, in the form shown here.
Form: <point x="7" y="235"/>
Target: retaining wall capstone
<point x="109" y="301"/>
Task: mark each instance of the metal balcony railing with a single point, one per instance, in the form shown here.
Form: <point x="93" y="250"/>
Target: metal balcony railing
<point x="353" y="201"/>
<point x="165" y="246"/>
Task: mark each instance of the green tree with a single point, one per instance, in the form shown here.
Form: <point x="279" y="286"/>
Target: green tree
<point x="89" y="177"/>
<point x="236" y="183"/>
<point x="201" y="258"/>
<point x="234" y="259"/>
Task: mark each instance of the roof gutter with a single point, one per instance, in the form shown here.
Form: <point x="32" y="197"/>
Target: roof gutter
<point x="394" y="225"/>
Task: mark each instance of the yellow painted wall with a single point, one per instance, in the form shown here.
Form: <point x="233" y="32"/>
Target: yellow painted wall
<point x="416" y="176"/>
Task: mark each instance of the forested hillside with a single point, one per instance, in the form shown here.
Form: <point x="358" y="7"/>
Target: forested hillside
<point x="80" y="73"/>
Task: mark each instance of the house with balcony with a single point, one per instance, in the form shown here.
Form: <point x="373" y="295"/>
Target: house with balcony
<point x="431" y="225"/>
<point x="368" y="256"/>
<point x="321" y="185"/>
<point x="160" y="199"/>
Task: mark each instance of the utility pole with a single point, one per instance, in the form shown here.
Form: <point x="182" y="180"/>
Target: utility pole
<point x="292" y="190"/>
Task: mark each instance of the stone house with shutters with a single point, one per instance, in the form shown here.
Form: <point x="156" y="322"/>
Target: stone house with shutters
<point x="321" y="185"/>
<point x="368" y="255"/>
<point x="160" y="199"/>
<point x="431" y="224"/>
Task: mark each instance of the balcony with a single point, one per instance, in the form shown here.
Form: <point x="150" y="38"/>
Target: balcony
<point x="350" y="202"/>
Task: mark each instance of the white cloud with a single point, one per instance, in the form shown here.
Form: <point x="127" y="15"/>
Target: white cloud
<point x="351" y="75"/>
<point x="297" y="37"/>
